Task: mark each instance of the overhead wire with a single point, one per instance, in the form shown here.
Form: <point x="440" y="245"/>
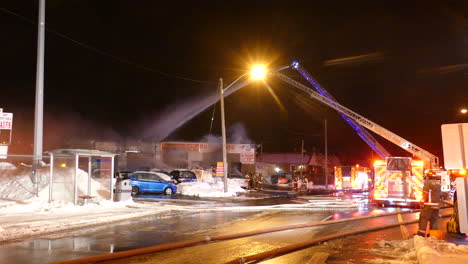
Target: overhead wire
<point x="104" y="53"/>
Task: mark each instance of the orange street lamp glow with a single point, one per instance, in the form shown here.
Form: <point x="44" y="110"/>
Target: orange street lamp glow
<point x="464" y="111"/>
<point x="258" y="72"/>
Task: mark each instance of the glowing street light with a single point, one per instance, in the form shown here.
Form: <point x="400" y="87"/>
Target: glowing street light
<point x="257" y="72"/>
<point x="464" y="110"/>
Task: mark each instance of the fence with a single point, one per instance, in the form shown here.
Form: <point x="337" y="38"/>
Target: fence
<point x="64" y="176"/>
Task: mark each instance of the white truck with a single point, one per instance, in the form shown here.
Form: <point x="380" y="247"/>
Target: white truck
<point x="455" y="146"/>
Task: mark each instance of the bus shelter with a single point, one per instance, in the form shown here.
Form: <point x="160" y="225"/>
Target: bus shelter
<point x="81" y="174"/>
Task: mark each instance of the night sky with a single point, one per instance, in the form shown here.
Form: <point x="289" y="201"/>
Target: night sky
<point x="112" y="67"/>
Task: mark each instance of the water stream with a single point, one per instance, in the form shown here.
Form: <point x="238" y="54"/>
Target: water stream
<point x="176" y="115"/>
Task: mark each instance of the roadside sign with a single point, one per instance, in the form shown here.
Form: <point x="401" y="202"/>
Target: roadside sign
<point x="219" y="169"/>
<point x="455" y="145"/>
<point x="6" y="120"/>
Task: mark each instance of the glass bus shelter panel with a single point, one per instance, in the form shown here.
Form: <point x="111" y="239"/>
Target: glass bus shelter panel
<point x="63" y="178"/>
<point x="101" y="177"/>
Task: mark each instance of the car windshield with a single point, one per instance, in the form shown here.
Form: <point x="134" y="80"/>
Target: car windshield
<point x="164" y="176"/>
<point x="187" y="174"/>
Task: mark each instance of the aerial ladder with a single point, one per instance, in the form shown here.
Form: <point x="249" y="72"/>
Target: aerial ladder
<point x="399" y="179"/>
<point x="361" y="131"/>
<point x="431" y="160"/>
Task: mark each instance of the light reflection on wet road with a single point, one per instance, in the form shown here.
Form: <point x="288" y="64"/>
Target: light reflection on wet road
<point x="159" y="230"/>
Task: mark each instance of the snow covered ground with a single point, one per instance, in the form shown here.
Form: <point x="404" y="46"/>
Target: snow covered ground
<point x="24" y="214"/>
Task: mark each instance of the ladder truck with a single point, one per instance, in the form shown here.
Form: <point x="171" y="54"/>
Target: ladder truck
<point x="398" y="180"/>
<point x="351" y="178"/>
<point x="361" y="131"/>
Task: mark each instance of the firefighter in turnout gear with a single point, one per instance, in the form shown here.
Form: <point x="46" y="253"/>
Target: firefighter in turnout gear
<point x="250" y="180"/>
<point x="258" y="181"/>
<point x="429" y="216"/>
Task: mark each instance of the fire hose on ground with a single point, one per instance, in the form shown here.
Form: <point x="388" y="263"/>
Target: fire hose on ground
<point x="298" y="246"/>
<point x="169" y="246"/>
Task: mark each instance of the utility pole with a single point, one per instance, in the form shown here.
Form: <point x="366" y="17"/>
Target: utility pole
<point x="302" y="158"/>
<point x="39" y="110"/>
<point x="325" y="169"/>
<point x="223" y="132"/>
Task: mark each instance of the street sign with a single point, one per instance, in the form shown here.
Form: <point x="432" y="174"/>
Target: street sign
<point x="219" y="169"/>
<point x="6" y="120"/>
<point x="455" y="145"/>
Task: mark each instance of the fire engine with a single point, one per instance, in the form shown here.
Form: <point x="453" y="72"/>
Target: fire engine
<point x="351" y="178"/>
<point x="403" y="175"/>
<point x="398" y="180"/>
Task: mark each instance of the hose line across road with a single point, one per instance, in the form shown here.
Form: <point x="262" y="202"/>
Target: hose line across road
<point x="268" y="254"/>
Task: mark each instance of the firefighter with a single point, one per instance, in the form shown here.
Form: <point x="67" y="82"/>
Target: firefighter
<point x="250" y="180"/>
<point x="294" y="183"/>
<point x="431" y="196"/>
<point x="258" y="181"/>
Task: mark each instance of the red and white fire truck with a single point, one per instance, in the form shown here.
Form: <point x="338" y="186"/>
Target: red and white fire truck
<point x="397" y="180"/>
<point x="352" y="178"/>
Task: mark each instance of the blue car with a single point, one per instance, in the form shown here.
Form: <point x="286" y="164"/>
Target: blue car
<point x="147" y="181"/>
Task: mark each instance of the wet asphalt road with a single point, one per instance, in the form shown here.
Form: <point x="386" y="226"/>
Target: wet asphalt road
<point x="180" y="227"/>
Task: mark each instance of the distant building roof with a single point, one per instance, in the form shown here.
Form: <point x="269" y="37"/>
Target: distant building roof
<point x="316" y="159"/>
<point x="319" y="160"/>
<point x="288" y="158"/>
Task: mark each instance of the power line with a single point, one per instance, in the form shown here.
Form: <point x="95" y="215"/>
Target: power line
<point x="104" y="53"/>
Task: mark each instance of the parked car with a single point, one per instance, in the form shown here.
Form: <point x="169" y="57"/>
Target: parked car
<point x="164" y="174"/>
<point x="240" y="179"/>
<point x="183" y="175"/>
<point x="148" y="181"/>
<point x="122" y="175"/>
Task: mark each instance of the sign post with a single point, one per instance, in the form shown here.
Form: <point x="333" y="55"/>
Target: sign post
<point x="219" y="169"/>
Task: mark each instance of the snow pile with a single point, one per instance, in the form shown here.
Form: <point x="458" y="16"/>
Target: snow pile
<point x="204" y="176"/>
<point x="394" y="252"/>
<point x="40" y="206"/>
<point x="210" y="189"/>
<point x="16" y="185"/>
<point x="6" y="166"/>
<point x="433" y="251"/>
<point x="419" y="250"/>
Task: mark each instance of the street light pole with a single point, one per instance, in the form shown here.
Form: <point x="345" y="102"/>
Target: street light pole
<point x="258" y="72"/>
<point x="326" y="155"/>
<point x="39" y="111"/>
<point x="223" y="132"/>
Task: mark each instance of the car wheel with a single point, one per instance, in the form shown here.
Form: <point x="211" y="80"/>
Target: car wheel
<point x="168" y="191"/>
<point x="135" y="190"/>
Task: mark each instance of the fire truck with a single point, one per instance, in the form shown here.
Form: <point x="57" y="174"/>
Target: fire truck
<point x="398" y="180"/>
<point x="351" y="178"/>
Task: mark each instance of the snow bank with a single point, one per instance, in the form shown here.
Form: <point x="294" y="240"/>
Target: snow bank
<point x="210" y="189"/>
<point x="40" y="206"/>
<point x="7" y="166"/>
<point x="419" y="250"/>
<point x="204" y="176"/>
<point x="16" y="185"/>
<point x="433" y="251"/>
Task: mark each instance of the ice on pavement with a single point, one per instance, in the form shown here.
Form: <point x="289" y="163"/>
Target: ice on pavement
<point x="419" y="250"/>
